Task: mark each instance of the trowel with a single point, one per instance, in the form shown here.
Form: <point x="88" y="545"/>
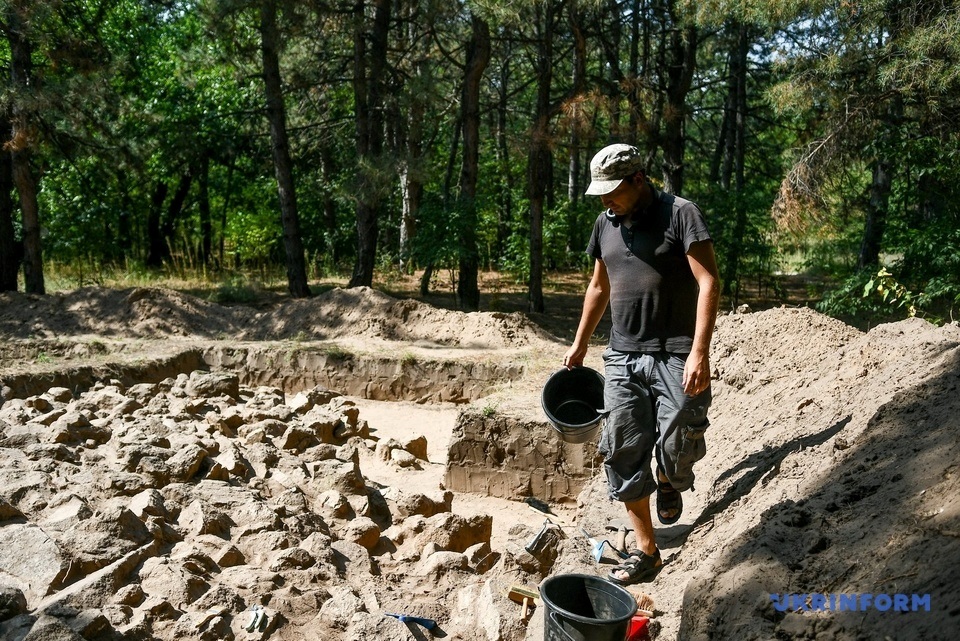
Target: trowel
<point x="596" y="547"/>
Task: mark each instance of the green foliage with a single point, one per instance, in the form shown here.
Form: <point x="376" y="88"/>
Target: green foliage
<point x="891" y="292"/>
<point x="136" y="96"/>
<point x="236" y="289"/>
<point x="932" y="293"/>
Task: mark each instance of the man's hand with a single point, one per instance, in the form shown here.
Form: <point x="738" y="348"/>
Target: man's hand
<point x="574" y="357"/>
<point x="696" y="373"/>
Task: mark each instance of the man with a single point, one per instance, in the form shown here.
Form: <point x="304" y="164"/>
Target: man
<point x="655" y="266"/>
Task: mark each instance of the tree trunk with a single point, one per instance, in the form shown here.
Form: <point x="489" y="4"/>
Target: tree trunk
<point x="283" y="167"/>
<point x="610" y="44"/>
<point x="478" y="56"/>
<point x="733" y="173"/>
<point x="877" y="210"/>
<point x="579" y="81"/>
<point x="10" y="248"/>
<point x="681" y="62"/>
<point x="206" y="223"/>
<point x="156" y="247"/>
<point x="369" y="71"/>
<point x="125" y="233"/>
<point x="878" y="204"/>
<point x="22" y="138"/>
<point x="411" y="185"/>
<point x="539" y="158"/>
<point x="633" y="91"/>
<point x="505" y="181"/>
<point x="328" y="170"/>
<point x="168" y="226"/>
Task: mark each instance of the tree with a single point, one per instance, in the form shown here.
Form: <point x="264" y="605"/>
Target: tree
<point x="9" y="247"/>
<point x="539" y="156"/>
<point x="23" y="135"/>
<point x="370" y="64"/>
<point x="478" y="56"/>
<point x="276" y="115"/>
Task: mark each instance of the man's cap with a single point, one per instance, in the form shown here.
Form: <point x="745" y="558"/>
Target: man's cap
<point x="610" y="166"/>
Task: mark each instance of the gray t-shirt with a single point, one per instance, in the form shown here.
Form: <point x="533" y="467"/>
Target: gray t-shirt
<point x="653" y="294"/>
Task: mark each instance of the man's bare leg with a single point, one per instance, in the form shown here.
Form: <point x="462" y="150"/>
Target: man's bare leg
<point x="639" y="514"/>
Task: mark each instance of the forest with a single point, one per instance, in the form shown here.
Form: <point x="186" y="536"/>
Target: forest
<point x="363" y="137"/>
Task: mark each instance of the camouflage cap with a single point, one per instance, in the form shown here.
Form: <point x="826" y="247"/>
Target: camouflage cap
<point x="610" y="166"/>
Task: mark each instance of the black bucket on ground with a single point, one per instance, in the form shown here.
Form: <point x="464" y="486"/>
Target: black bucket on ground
<point x="580" y="607"/>
<point x="572" y="400"/>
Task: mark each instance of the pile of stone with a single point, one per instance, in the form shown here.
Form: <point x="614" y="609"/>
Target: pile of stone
<point x="195" y="508"/>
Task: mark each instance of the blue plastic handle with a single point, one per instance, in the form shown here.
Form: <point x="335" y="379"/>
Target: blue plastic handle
<point x="429" y="624"/>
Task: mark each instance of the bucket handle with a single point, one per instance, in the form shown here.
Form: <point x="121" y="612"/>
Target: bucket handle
<point x="556" y="620"/>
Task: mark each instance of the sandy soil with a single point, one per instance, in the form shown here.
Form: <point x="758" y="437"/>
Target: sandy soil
<point x="831" y="467"/>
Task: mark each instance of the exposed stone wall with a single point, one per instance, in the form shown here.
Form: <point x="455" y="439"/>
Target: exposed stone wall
<point x="384" y="378"/>
<point x="292" y="369"/>
<point x="510" y="457"/>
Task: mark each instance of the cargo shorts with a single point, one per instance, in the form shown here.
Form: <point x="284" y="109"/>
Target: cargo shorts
<point x="646" y="411"/>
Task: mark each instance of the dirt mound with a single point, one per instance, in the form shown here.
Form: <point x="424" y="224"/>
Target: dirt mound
<point x="152" y="313"/>
<point x="831" y="469"/>
<point x="366" y="313"/>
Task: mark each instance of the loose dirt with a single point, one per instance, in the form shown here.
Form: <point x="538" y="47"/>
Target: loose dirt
<point x="832" y="464"/>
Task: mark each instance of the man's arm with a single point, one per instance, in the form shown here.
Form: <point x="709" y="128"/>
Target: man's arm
<point x="703" y="264"/>
<point x="594" y="304"/>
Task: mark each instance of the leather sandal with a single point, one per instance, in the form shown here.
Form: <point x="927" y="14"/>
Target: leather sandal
<point x="669" y="499"/>
<point x="639" y="568"/>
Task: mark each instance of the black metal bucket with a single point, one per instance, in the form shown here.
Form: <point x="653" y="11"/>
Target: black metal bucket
<point x="572" y="400"/>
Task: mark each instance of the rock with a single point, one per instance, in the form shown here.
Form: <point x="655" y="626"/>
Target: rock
<point x="231" y="459"/>
<point x="298" y="439"/>
<point x="59" y="394"/>
<point x="48" y="628"/>
<point x="339" y="609"/>
<point x="456" y="533"/>
<point x="31" y="560"/>
<point x="480" y="557"/>
<point x="209" y="384"/>
<point x="125" y="408"/>
<point x="76" y="427"/>
<point x="343" y="476"/>
<point x="362" y="531"/>
<point x="39" y="403"/>
<point x="186" y="462"/>
<point x="293" y="558"/>
<point x="417" y="446"/>
<point x="142" y="392"/>
<point x="130" y="595"/>
<point x="66" y="514"/>
<point x="351" y="557"/>
<point x="229" y="556"/>
<point x="441" y="563"/>
<point x="12" y="602"/>
<point x="148" y="503"/>
<point x="272" y="427"/>
<point x="403" y="458"/>
<point x="197" y="518"/>
<point x="422" y="504"/>
<point x="167" y="580"/>
<point x="8" y="511"/>
<point x="334" y="504"/>
<point x="385" y="448"/>
<point x="305" y="401"/>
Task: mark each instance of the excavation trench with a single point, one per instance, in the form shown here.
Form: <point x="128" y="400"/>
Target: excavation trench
<point x="492" y="451"/>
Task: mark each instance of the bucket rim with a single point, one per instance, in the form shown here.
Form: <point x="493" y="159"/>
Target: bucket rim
<point x="596" y="579"/>
<point x="564" y="428"/>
